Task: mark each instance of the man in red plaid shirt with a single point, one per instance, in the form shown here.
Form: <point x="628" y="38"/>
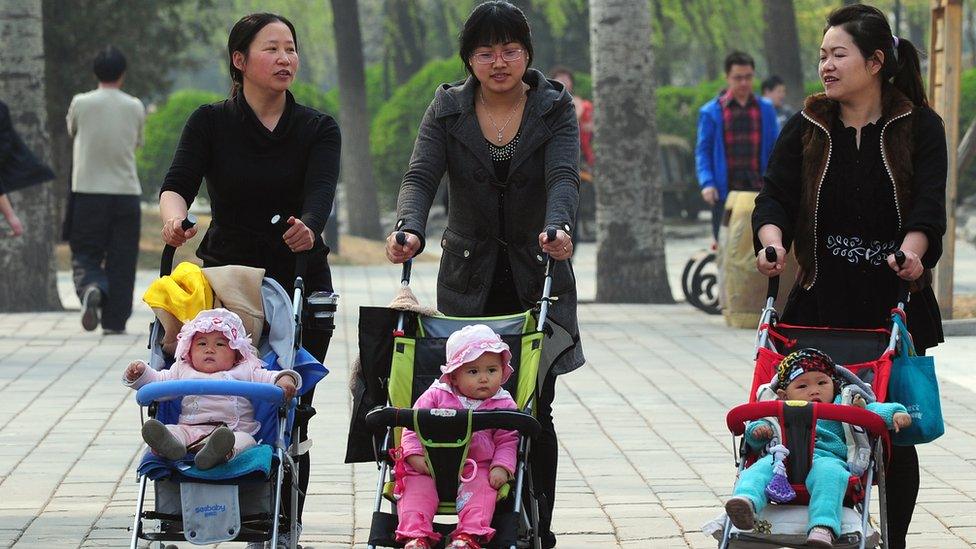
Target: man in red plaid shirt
<point x="736" y="133"/>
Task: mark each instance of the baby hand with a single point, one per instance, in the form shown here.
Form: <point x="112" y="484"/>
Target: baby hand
<point x="418" y="463"/>
<point x="288" y="384"/>
<point x="859" y="401"/>
<point x="901" y="420"/>
<point x="763" y="432"/>
<point x="497" y="477"/>
<point x="135" y="370"/>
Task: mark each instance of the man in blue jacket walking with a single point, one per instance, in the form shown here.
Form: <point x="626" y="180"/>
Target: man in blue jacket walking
<point x="736" y="133"/>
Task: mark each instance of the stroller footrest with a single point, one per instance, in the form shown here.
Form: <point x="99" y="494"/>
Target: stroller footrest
<point x="382" y="529"/>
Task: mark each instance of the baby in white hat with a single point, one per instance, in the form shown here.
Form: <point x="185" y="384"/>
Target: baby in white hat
<point x="214" y="346"/>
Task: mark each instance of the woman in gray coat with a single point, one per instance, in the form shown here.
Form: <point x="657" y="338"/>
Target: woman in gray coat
<point x="509" y="141"/>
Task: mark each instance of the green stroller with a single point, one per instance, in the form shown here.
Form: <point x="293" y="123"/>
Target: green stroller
<point x="395" y="372"/>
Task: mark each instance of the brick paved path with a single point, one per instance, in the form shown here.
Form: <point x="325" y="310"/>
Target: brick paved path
<point x="645" y="457"/>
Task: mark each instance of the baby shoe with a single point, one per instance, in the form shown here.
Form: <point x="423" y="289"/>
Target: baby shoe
<point x="417" y="543"/>
<point x="162" y="442"/>
<point x="820" y="537"/>
<point x="741" y="512"/>
<point x="215" y="451"/>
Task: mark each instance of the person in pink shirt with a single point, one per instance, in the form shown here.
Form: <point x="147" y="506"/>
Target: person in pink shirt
<point x="214" y="345"/>
<point x="478" y="363"/>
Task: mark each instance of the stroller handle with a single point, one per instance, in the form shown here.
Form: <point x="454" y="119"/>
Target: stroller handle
<point x="493" y="419"/>
<point x="401" y="239"/>
<point x="279" y="222"/>
<point x="772" y="290"/>
<point x="870" y="421"/>
<point x="169" y="390"/>
<point x="166" y="261"/>
<point x="904" y="286"/>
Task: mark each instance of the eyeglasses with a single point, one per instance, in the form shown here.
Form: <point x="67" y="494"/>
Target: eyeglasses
<point x="488" y="57"/>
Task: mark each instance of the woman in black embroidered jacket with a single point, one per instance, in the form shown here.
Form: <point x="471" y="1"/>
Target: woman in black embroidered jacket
<point x="262" y="154"/>
<point x="856" y="176"/>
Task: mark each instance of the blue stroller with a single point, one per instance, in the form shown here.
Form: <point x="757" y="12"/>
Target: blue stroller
<point x="241" y="500"/>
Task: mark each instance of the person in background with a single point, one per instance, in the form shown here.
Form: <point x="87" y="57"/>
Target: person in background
<point x="736" y="133"/>
<point x="105" y="217"/>
<point x="774" y="89"/>
<point x="19" y="168"/>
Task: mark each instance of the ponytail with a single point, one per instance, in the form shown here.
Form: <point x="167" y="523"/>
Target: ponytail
<point x="907" y="76"/>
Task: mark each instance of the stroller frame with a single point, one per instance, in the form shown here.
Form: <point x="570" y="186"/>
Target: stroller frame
<point x="523" y="421"/>
<point x="878" y="433"/>
<point x="150" y="395"/>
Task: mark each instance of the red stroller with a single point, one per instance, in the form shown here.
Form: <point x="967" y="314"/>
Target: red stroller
<point x="868" y="353"/>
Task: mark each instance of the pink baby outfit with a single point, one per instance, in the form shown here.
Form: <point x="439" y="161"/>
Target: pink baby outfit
<point x="201" y="414"/>
<point x="476" y="499"/>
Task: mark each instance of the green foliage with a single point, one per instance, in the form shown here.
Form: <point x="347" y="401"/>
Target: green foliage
<point x="967" y="112"/>
<point x="677" y="107"/>
<point x="583" y="85"/>
<point x="394" y="127"/>
<point x="162" y="134"/>
<point x="311" y="95"/>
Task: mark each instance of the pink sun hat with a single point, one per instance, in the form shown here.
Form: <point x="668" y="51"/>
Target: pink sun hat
<point x="468" y="344"/>
<point x="215" y="320"/>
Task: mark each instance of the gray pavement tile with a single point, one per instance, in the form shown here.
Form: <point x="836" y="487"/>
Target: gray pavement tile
<point x="645" y="457"/>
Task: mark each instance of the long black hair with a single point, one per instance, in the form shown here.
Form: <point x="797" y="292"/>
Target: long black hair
<point x="241" y="37"/>
<point x="869" y="28"/>
<point x="494" y="22"/>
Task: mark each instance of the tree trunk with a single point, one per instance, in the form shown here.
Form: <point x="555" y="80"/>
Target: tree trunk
<point x="630" y="253"/>
<point x="405" y="37"/>
<point x="29" y="279"/>
<point x="782" y="44"/>
<point x="357" y="166"/>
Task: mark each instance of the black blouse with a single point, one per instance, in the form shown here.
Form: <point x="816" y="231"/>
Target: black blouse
<point x="254" y="173"/>
<point x="858" y="229"/>
<point x="857" y="225"/>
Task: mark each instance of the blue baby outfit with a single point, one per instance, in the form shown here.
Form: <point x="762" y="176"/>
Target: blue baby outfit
<point x="827" y="480"/>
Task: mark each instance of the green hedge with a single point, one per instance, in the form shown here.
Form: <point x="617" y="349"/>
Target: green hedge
<point x="162" y="134"/>
<point x="394" y="128"/>
<point x="311" y="95"/>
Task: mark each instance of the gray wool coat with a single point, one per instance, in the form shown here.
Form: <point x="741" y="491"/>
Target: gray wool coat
<point x="542" y="191"/>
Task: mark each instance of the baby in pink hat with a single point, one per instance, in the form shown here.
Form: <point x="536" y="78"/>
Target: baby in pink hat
<point x="214" y="346"/>
<point x="478" y="363"/>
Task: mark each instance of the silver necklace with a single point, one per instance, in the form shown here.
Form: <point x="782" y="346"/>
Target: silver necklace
<point x="501" y="130"/>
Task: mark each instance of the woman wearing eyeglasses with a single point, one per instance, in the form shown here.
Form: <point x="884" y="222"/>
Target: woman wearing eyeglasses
<point x="509" y="141"/>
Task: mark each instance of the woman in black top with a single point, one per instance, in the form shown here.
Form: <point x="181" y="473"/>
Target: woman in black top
<point x="509" y="141"/>
<point x="856" y="176"/>
<point x="262" y="154"/>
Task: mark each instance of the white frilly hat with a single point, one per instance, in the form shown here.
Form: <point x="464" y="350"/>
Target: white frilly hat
<point x="215" y="320"/>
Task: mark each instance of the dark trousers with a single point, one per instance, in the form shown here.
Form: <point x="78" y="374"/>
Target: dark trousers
<point x="902" y="484"/>
<point x="543" y="458"/>
<point x="316" y="342"/>
<point x="104" y="241"/>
